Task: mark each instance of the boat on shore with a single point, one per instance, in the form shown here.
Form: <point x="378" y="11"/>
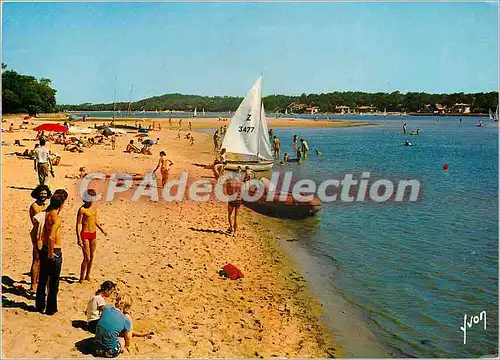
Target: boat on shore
<point x="247" y="138"/>
<point x="283" y="204"/>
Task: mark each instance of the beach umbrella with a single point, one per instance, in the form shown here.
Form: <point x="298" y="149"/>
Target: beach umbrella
<point x="27" y="117"/>
<point x="141" y="135"/>
<point x="143" y="130"/>
<point x="106" y="131"/>
<point x="58" y="128"/>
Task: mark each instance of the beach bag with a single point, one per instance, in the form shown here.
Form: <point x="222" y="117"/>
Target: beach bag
<point x="40" y="224"/>
<point x="232" y="272"/>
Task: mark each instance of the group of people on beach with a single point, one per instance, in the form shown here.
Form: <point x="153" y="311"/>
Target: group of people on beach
<point x="109" y="323"/>
<point x="302" y="149"/>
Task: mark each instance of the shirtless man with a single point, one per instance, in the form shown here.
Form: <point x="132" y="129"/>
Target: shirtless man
<point x="164" y="164"/>
<point x="86" y="234"/>
<point x="40" y="194"/>
<point x="131" y="148"/>
<point x="234" y="190"/>
<point x="220" y="164"/>
<point x="113" y="142"/>
<point x="51" y="255"/>
<point x="277" y="146"/>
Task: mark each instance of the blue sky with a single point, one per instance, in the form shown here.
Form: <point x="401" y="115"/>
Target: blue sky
<point x="89" y="50"/>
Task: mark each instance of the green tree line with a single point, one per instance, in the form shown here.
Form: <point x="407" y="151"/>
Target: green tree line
<point x="26" y="94"/>
<point x="395" y="101"/>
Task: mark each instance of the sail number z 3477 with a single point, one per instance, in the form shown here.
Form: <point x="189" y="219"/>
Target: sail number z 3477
<point x="247" y="129"/>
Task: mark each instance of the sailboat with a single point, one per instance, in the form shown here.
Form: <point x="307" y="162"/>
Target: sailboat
<point x="385" y="112"/>
<point x="247" y="137"/>
<point x="286" y="111"/>
<point x="203" y="111"/>
<point x="493" y="116"/>
<point x="194" y="114"/>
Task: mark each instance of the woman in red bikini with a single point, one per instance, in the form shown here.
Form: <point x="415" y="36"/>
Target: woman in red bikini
<point x="86" y="233"/>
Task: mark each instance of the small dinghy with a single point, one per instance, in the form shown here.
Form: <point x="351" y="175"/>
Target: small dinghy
<point x="282" y="205"/>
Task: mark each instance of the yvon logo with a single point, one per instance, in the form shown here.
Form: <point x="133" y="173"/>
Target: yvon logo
<point x="473" y="319"/>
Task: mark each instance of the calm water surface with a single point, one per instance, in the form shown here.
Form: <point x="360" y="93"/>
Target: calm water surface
<point x="414" y="269"/>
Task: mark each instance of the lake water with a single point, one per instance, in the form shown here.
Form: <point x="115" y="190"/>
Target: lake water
<point x="413" y="269"/>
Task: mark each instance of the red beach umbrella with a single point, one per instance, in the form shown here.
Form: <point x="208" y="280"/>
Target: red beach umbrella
<point x="52" y="128"/>
<point x="27" y="117"/>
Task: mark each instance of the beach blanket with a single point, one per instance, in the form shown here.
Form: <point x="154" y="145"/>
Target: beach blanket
<point x="232" y="272"/>
<point x="40" y="224"/>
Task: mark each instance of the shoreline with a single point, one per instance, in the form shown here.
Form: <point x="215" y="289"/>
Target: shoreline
<point x="270" y="312"/>
<point x="197" y="123"/>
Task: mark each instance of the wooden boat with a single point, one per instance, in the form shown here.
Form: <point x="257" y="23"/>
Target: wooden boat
<point x="289" y="207"/>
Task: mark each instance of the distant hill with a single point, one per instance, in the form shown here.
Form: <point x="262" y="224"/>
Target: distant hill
<point x="416" y="102"/>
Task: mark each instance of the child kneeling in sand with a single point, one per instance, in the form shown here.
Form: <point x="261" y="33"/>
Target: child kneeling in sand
<point x="96" y="305"/>
<point x="115" y="322"/>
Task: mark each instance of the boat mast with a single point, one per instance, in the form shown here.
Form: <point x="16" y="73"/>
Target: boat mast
<point x="260" y="116"/>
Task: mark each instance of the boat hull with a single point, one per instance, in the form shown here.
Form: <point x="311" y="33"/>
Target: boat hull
<point x="253" y="165"/>
<point x="284" y="206"/>
<point x="280" y="209"/>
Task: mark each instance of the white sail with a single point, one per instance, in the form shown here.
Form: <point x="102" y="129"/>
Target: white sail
<point x="195" y="115"/>
<point x="286" y="111"/>
<point x="490" y="113"/>
<point x="203" y="111"/>
<point x="495" y="117"/>
<point x="385" y="112"/>
<point x="242" y="136"/>
<point x="264" y="147"/>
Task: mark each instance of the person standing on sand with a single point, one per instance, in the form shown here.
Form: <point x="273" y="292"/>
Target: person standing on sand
<point x="41" y="193"/>
<point x="113" y="142"/>
<point x="220" y="163"/>
<point x="164" y="164"/>
<point x="42" y="162"/>
<point x="86" y="233"/>
<point x="170" y="123"/>
<point x="216" y="140"/>
<point x="51" y="256"/>
<point x="180" y="124"/>
<point x="277" y="146"/>
<point x="190" y="128"/>
<point x="233" y="188"/>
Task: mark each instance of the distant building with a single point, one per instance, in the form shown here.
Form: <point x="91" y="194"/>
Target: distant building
<point x="312" y="109"/>
<point x="366" y="109"/>
<point x="439" y="109"/>
<point x="296" y="107"/>
<point x="342" y="108"/>
<point x="461" y="108"/>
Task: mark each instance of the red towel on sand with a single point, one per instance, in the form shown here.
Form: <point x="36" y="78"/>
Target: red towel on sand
<point x="232" y="272"/>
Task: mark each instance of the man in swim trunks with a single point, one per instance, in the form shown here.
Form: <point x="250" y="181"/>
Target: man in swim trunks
<point x="86" y="233"/>
<point x="220" y="163"/>
<point x="277" y="146"/>
<point x="50" y="256"/>
<point x="233" y="190"/>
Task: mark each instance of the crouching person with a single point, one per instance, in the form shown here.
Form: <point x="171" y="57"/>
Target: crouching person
<point x="113" y="324"/>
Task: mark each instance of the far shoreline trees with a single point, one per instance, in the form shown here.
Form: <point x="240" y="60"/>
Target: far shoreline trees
<point x="411" y="102"/>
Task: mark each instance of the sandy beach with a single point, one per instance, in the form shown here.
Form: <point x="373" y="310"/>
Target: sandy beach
<point x="166" y="255"/>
